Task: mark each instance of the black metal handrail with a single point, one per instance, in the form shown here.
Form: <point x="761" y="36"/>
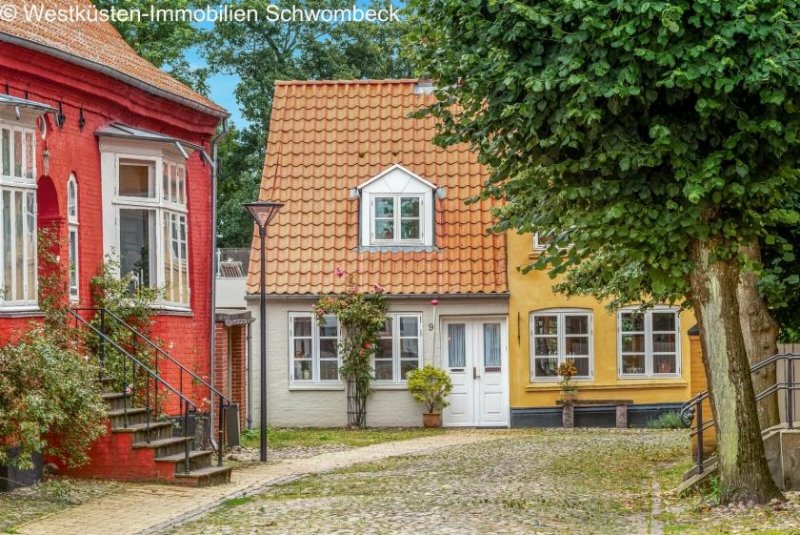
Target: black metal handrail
<point x="185" y="404"/>
<point x="692" y="410"/>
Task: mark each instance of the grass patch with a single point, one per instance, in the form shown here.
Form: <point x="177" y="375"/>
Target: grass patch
<point x="668" y="420"/>
<point x="280" y="438"/>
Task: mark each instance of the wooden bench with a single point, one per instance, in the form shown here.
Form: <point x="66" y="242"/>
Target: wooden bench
<point x="568" y="410"/>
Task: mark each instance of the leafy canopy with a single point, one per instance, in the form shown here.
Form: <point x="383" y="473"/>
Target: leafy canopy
<point x="629" y="128"/>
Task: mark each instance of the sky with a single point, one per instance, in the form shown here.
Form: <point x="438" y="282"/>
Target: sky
<point x="221" y="87"/>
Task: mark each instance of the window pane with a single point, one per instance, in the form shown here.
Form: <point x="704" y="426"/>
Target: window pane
<point x="409" y="348"/>
<point x="135" y="180"/>
<point x="170" y="275"/>
<point x="663" y="343"/>
<point x="8" y="233"/>
<point x="456" y="345"/>
<point x="582" y="365"/>
<point x="302" y="370"/>
<point x="384" y="207"/>
<point x="181" y="184"/>
<point x="409" y="207"/>
<point x="384" y="229"/>
<point x="576" y="324"/>
<point x="135" y="229"/>
<point x="407" y="366"/>
<point x="576" y="345"/>
<point x="546" y="367"/>
<point x="17" y="153"/>
<point x="302" y="348"/>
<point x="73" y="261"/>
<point x="20" y="245"/>
<point x="328" y="370"/>
<point x="545" y="324"/>
<point x="633" y="364"/>
<point x="632" y="322"/>
<point x="664" y="364"/>
<point x="327" y="348"/>
<point x="409" y="326"/>
<point x="302" y="327"/>
<point x="30" y="244"/>
<point x="6" y="148"/>
<point x="387" y="328"/>
<point x="72" y="199"/>
<point x="330" y="328"/>
<point x="173" y="180"/>
<point x="383" y="370"/>
<point x="29" y="153"/>
<point x="633" y="343"/>
<point x="664" y="321"/>
<point x="546" y="346"/>
<point x="409" y="229"/>
<point x="491" y="344"/>
<point x="184" y="260"/>
<point x="165" y="181"/>
<point x="384" y="350"/>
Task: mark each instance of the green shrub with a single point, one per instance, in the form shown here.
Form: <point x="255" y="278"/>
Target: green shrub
<point x="667" y="420"/>
<point x="430" y="386"/>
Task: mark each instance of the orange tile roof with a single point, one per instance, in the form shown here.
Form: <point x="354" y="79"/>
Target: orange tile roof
<point x="97" y="46"/>
<point x="328" y="137"/>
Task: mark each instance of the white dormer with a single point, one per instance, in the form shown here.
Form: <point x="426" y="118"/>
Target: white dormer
<point x="396" y="209"/>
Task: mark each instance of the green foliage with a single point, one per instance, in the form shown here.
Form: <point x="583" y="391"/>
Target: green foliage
<point x="362" y="316"/>
<point x="667" y="420"/>
<point x="259" y="53"/>
<point x="163" y="42"/>
<point x="631" y="128"/>
<point x="430" y="386"/>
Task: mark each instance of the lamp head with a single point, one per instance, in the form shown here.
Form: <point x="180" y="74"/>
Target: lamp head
<point x="263" y="212"/>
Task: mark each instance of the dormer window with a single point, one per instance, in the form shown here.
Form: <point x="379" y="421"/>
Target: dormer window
<point x="396" y="210"/>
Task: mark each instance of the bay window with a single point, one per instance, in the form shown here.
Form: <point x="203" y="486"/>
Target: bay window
<point x="649" y="344"/>
<point x="399" y="348"/>
<point x="558" y="336"/>
<point x="314" y="348"/>
<point x="18" y="248"/>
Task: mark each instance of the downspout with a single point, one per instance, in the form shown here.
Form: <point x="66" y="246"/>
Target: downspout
<point x="247" y="375"/>
<point x="213" y="285"/>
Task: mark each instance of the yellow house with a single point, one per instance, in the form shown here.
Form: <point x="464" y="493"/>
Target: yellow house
<point x="646" y="359"/>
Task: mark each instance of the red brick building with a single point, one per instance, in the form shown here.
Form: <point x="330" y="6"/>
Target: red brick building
<point x="120" y="157"/>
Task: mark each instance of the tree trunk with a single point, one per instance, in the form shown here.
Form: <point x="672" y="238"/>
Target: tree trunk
<point x="760" y="332"/>
<point x="744" y="474"/>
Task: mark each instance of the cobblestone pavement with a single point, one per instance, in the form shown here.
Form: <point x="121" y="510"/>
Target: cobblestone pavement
<point x="152" y="508"/>
<point x="537" y="481"/>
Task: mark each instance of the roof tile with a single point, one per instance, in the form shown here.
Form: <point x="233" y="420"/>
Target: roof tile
<point x="328" y="137"/>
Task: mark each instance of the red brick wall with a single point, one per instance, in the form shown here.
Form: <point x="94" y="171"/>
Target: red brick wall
<point x="72" y="149"/>
<point x="233" y="351"/>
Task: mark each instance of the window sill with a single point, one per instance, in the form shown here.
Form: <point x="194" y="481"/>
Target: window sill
<point x="316" y="387"/>
<point x="181" y="312"/>
<point x="628" y="384"/>
<point x="389" y="386"/>
<point x="21" y="313"/>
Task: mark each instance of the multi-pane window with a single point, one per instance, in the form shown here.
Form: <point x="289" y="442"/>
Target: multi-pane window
<point x="18" y="221"/>
<point x="314" y="347"/>
<point x="153" y="227"/>
<point x="399" y="348"/>
<point x="649" y="343"/>
<point x="541" y="241"/>
<point x="72" y="220"/>
<point x="558" y="337"/>
<point x="397" y="219"/>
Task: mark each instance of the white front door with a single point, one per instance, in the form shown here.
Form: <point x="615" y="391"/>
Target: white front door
<point x="475" y="354"/>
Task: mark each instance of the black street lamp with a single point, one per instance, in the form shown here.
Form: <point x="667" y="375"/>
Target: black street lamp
<point x="263" y="212"/>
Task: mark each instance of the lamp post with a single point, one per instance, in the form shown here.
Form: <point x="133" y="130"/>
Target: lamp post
<point x="263" y="212"/>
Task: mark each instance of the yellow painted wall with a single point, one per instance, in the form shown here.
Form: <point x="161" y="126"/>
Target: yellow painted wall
<point x="532" y="292"/>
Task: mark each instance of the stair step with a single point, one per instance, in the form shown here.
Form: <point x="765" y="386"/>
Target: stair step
<point x="116" y="400"/>
<point x="205" y="477"/>
<point x="166" y="446"/>
<point x="197" y="459"/>
<point x="136" y="415"/>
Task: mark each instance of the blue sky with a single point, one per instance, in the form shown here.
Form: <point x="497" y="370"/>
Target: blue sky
<point x="221" y="87"/>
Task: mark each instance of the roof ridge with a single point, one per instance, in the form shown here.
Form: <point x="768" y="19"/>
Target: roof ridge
<point x="385" y="81"/>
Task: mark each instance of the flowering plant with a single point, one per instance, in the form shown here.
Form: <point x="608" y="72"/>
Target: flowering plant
<point x="566" y="371"/>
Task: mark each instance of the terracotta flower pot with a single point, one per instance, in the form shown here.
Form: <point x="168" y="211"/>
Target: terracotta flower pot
<point x="432" y="420"/>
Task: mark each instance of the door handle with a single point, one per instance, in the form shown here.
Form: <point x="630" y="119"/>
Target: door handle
<point x="474" y="372"/>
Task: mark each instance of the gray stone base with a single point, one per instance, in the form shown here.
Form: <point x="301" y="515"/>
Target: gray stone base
<point x="599" y="416"/>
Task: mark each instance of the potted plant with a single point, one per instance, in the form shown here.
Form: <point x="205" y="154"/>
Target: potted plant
<point x="430" y="386"/>
<point x="569" y="390"/>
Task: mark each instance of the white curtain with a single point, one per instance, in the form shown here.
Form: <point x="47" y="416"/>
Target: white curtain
<point x="456" y="345"/>
<point x="491" y="345"/>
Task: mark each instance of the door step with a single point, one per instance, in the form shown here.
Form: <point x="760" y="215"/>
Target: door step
<point x="205" y="477"/>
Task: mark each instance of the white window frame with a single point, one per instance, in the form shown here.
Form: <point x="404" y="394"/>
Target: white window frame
<point x="26" y="186"/>
<point x="538" y="245"/>
<point x="397" y="219"/>
<point x="315" y="351"/>
<point x="73" y="233"/>
<point x="163" y="209"/>
<point x="561" y="335"/>
<point x="648" y="332"/>
<point x="395" y="317"/>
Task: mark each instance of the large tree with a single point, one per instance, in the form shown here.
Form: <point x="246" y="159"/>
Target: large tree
<point x="261" y="52"/>
<point x="659" y="138"/>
